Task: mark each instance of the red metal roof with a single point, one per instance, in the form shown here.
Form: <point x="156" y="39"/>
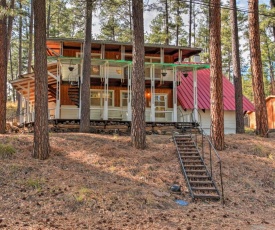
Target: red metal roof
<point x="185" y="92"/>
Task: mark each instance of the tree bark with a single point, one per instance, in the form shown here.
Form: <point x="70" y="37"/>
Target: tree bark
<point x="216" y="81"/>
<point x="236" y="69"/>
<point x="3" y="69"/>
<point x="138" y="132"/>
<point x="49" y="18"/>
<point x="256" y="68"/>
<point x="41" y="146"/>
<point x="30" y="40"/>
<point x="190" y="23"/>
<point x="85" y="84"/>
<point x="19" y="72"/>
<point x="166" y="23"/>
<point x="272" y="5"/>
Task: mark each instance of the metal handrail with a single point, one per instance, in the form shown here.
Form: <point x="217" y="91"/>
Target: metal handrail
<point x="211" y="149"/>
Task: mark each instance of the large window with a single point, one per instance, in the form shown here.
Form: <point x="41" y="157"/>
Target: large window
<point x="160" y="105"/>
<point x="98" y="96"/>
<point x="123" y="98"/>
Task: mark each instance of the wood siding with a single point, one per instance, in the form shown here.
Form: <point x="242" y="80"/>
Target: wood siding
<point x="65" y="100"/>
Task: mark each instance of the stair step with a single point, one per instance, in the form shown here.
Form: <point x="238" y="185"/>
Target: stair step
<point x="207" y="196"/>
<point x="201" y="182"/>
<point x="194" y="161"/>
<point x="191" y="157"/>
<point x="195" y="171"/>
<point x="194" y="166"/>
<point x="197" y="177"/>
<point x="204" y="188"/>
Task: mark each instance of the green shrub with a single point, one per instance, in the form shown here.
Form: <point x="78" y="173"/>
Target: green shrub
<point x="6" y="151"/>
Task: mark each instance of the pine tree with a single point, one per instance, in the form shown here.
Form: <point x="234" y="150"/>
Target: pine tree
<point x="256" y="66"/>
<point x="236" y="69"/>
<point x="216" y="85"/>
<point x="41" y="145"/>
<point x="3" y="66"/>
<point x="85" y="83"/>
<point x="138" y="132"/>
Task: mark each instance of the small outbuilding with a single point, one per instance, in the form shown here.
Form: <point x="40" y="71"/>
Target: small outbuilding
<point x="270" y="106"/>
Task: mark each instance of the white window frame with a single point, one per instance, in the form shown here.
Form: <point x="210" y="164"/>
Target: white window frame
<point x="166" y="102"/>
<point x="101" y="91"/>
<point x="121" y="92"/>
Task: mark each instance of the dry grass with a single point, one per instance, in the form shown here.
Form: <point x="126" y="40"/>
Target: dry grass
<point x="100" y="182"/>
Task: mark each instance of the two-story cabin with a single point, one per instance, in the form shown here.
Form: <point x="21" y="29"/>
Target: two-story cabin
<point x="111" y="80"/>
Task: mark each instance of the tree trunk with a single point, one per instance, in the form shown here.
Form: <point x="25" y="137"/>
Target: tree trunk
<point x="138" y="132"/>
<point x="177" y="23"/>
<point x="49" y="18"/>
<point x="10" y="23"/>
<point x="256" y="68"/>
<point x="166" y="23"/>
<point x="85" y="84"/>
<point x="190" y="23"/>
<point x="216" y="81"/>
<point x="236" y="69"/>
<point x="19" y="72"/>
<point x="30" y="40"/>
<point x="130" y="18"/>
<point x="3" y="69"/>
<point x="41" y="146"/>
<point x="272" y="5"/>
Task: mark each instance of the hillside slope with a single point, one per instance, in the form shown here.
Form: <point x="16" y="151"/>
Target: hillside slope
<point x="100" y="182"/>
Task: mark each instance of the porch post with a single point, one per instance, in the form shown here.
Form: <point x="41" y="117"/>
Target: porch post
<point x="122" y="52"/>
<point x="28" y="104"/>
<point x="105" y="93"/>
<point x="129" y="92"/>
<point x="175" y="96"/>
<point x="180" y="56"/>
<point x="80" y="84"/>
<point x="102" y="54"/>
<point x="162" y="55"/>
<point x="21" y="115"/>
<point x="57" y="104"/>
<point x="195" y="92"/>
<point x="152" y="75"/>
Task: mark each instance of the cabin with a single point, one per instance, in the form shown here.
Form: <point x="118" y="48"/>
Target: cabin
<point x="270" y="106"/>
<point x="110" y="80"/>
<point x="174" y="86"/>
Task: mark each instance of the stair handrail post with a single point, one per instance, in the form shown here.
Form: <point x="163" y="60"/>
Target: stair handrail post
<point x="210" y="159"/>
<point x="220" y="162"/>
<point x="202" y="144"/>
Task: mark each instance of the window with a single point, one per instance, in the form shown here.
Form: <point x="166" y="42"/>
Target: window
<point x="97" y="98"/>
<point x="160" y="105"/>
<point x="124" y="99"/>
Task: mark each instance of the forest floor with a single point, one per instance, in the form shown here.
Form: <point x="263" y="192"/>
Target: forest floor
<point x="94" y="181"/>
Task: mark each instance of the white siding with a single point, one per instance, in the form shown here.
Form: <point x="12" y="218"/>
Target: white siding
<point x="229" y="120"/>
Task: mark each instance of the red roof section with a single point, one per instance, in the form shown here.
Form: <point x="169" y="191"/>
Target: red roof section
<point x="185" y="92"/>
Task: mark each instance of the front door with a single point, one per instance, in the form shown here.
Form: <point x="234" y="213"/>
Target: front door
<point x="160" y="107"/>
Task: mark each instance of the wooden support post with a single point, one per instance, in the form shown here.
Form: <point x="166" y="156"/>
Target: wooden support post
<point x="195" y="92"/>
<point x="175" y="96"/>
<point x="106" y="93"/>
<point x="129" y="92"/>
<point x="152" y="75"/>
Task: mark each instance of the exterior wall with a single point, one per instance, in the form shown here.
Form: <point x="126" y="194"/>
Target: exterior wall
<point x="205" y="121"/>
<point x="270" y="105"/>
<point x="70" y="111"/>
